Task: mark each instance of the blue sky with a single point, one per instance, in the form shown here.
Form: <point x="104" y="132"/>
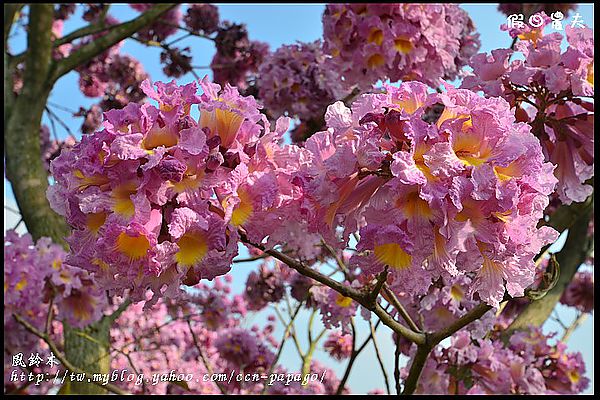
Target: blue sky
<point x="277" y="25"/>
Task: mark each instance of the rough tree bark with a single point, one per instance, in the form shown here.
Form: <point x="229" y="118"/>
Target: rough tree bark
<point x="577" y="247"/>
<point x="85" y="348"/>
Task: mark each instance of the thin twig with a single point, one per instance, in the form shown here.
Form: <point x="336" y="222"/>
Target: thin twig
<point x="578" y="321"/>
<point x="203" y="357"/>
<point x="292" y="333"/>
<point x="379" y="359"/>
<point x="250" y="259"/>
<point x="280" y="348"/>
<point x="400" y="308"/>
<point x="61" y="122"/>
<point x="50" y="314"/>
<point x="397" y="364"/>
<point x="355" y="353"/>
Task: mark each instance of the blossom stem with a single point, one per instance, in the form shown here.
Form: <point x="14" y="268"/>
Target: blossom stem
<point x="281" y="344"/>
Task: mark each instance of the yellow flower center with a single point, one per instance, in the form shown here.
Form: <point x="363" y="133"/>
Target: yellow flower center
<point x="376" y="60"/>
<point x="134" y="247"/>
<point x="376" y="36"/>
<point x="224" y="123"/>
<point x="192" y="249"/>
<point x="393" y="255"/>
<point x="95" y="221"/>
<point x="403" y="46"/>
<point x="22" y="284"/>
<point x="456" y="293"/>
<point x="343" y="301"/>
<point x="244" y="209"/>
<point x="159" y="137"/>
<point x="123" y="204"/>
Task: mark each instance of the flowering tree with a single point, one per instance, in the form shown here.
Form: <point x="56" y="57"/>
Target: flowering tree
<point x="416" y="205"/>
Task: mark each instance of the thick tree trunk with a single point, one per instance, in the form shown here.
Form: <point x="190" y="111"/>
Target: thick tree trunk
<point x="85" y="348"/>
<point x="576" y="249"/>
<point x="88" y="349"/>
<point x="24" y="167"/>
<point x="29" y="180"/>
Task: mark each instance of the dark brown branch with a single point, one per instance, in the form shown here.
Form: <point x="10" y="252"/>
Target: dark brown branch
<point x="460" y="323"/>
<point x="397" y="365"/>
<point x="355" y="353"/>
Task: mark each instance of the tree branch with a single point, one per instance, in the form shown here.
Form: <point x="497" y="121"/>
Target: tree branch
<point x="114" y="36"/>
<point x="574" y="325"/>
<point x="433" y="339"/>
<point x="391" y="297"/>
<point x="460" y="323"/>
<point x="117" y="313"/>
<point x="397" y="365"/>
<point x="355" y="353"/>
<point x="24" y="167"/>
<point x="362" y="297"/>
<point x="566" y="216"/>
<point x="410" y="384"/>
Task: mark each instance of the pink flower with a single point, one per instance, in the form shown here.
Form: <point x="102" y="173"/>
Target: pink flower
<point x="339" y="346"/>
<point x="368" y="42"/>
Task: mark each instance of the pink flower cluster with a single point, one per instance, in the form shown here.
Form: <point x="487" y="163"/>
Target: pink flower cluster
<point x="202" y="18"/>
<point x="338" y="345"/>
<point x="156" y="197"/>
<point x="458" y="196"/>
<point x="296" y="79"/>
<point x="221" y="348"/>
<point x="580" y="292"/>
<point x="527" y="364"/>
<point x="369" y="42"/>
<point x="237" y="57"/>
<point x="265" y="286"/>
<point x="549" y="89"/>
<point x="114" y="77"/>
<point x="35" y="276"/>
